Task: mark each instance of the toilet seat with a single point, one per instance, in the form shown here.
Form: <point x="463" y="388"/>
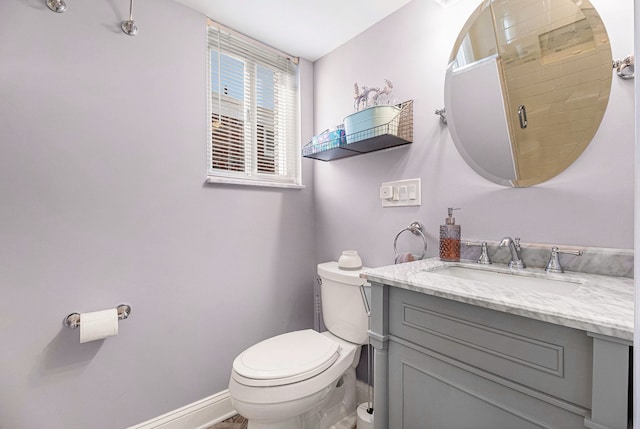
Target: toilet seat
<point x="285" y="359"/>
<point x="245" y="395"/>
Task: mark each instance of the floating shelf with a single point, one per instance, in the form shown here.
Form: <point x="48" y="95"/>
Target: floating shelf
<point x="397" y="132"/>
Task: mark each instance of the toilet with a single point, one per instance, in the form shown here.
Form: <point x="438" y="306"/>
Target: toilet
<point x="305" y="379"/>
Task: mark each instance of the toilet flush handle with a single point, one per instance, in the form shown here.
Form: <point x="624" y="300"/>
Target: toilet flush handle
<point x="365" y="301"/>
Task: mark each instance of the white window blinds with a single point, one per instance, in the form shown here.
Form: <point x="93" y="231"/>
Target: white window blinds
<point x="253" y="92"/>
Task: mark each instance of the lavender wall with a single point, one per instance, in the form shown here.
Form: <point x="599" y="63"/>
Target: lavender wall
<point x="103" y="140"/>
<point x="590" y="204"/>
<point x="101" y="182"/>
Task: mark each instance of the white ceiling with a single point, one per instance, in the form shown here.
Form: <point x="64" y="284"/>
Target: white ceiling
<point x="303" y="28"/>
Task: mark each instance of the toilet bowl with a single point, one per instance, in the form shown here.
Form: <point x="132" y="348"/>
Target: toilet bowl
<point x="273" y="401"/>
<point x="305" y="379"/>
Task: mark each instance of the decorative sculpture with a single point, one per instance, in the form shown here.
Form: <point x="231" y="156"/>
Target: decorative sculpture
<point x="372" y="96"/>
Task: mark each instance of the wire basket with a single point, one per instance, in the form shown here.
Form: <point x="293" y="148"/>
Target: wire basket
<point x="396" y="132"/>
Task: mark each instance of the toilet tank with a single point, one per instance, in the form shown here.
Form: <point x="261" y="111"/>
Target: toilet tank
<point x="343" y="309"/>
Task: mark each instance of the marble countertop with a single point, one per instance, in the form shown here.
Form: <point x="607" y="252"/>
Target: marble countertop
<point x="600" y="304"/>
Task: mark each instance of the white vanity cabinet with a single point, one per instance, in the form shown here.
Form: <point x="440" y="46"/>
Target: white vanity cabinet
<point x="445" y="364"/>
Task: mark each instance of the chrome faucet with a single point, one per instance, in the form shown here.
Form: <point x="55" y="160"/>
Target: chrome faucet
<point x="553" y="266"/>
<point x="484" y="258"/>
<point x="514" y="246"/>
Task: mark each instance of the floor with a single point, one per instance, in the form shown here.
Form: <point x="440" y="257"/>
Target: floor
<point x="235" y="422"/>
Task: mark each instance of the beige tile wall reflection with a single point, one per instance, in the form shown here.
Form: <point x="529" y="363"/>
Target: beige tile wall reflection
<point x="556" y="62"/>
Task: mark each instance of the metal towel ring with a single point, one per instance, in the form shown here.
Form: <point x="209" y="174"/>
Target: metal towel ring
<point x="416" y="229"/>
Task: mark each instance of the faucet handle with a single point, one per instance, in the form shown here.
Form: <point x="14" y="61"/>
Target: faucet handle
<point x="553" y="266"/>
<point x="516" y="241"/>
<point x="484" y="256"/>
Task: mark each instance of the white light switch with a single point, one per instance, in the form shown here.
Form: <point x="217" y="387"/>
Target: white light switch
<point x="401" y="193"/>
<point x="412" y="192"/>
<point x="386" y="192"/>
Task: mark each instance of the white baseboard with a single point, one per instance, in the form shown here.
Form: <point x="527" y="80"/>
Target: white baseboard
<point x="198" y="415"/>
<point x="213" y="409"/>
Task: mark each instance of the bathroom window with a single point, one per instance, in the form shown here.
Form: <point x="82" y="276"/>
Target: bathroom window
<point x="253" y="105"/>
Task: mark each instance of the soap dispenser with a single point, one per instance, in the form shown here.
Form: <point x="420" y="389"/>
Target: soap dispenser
<point x="450" y="234"/>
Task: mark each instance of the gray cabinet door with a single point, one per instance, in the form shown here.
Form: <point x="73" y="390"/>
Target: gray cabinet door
<point x="432" y="391"/>
<point x="549" y="358"/>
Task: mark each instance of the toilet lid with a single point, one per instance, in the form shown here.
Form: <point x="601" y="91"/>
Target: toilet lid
<point x="285" y="359"/>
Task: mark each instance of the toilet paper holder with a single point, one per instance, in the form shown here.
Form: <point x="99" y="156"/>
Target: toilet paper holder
<point x="73" y="320"/>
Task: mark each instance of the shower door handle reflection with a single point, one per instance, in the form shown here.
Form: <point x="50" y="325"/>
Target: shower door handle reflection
<point x="522" y="116"/>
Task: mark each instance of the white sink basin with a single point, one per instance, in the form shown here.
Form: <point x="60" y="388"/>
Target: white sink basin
<point x="511" y="279"/>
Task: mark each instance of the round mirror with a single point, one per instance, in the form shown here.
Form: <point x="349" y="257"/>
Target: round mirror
<point x="526" y="87"/>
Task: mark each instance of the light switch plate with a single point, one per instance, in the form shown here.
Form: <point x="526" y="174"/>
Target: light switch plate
<point x="404" y="193"/>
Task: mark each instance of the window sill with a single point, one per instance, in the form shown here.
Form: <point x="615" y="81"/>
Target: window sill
<point x="244" y="182"/>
